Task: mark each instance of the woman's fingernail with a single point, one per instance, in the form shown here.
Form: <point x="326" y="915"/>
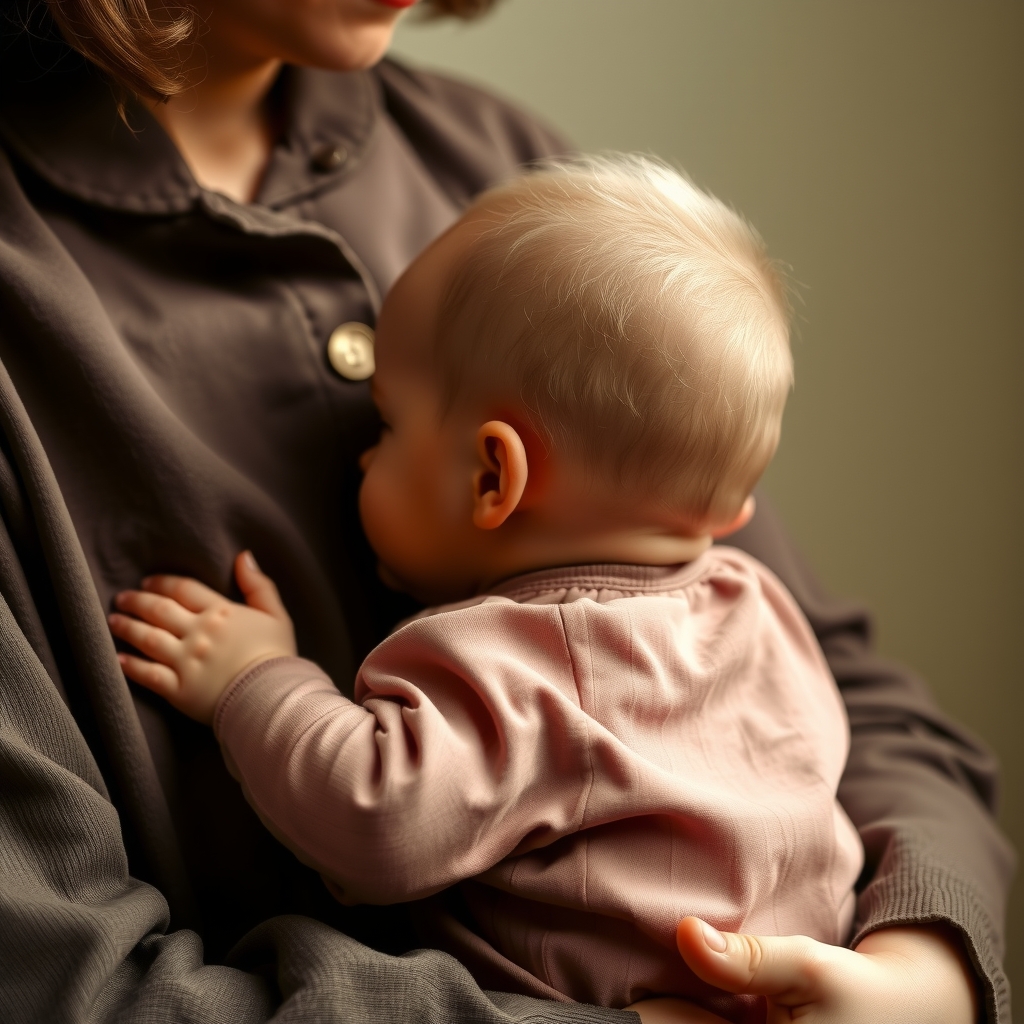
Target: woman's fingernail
<point x="250" y="561"/>
<point x="713" y="938"/>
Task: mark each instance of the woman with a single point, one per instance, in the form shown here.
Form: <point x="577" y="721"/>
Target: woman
<point x="181" y="261"/>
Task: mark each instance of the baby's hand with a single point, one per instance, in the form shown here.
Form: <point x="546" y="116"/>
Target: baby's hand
<point x="200" y="641"/>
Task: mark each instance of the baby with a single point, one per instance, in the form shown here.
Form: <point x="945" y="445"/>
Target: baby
<point x="605" y="724"/>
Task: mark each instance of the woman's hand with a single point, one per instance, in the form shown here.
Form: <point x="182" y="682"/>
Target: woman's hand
<point x="200" y="641"/>
<point x="909" y="975"/>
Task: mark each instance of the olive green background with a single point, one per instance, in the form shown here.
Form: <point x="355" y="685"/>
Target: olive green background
<point x="878" y="145"/>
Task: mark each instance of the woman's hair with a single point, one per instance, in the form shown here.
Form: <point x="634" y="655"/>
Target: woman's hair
<point x="635" y="320"/>
<point x="136" y="42"/>
<point x="138" y="51"/>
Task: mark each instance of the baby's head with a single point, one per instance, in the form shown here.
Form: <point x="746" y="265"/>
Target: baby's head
<point x="618" y="332"/>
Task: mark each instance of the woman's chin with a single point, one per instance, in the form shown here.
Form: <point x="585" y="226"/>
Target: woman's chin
<point x="358" y="50"/>
<point x="351" y="41"/>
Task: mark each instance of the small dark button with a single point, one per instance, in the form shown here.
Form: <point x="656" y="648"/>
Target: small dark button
<point x="328" y="158"/>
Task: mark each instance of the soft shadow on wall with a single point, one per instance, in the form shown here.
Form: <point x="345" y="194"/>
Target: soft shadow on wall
<point x="879" y="148"/>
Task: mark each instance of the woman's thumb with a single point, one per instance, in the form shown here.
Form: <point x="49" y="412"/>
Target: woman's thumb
<point x="259" y="590"/>
<point x="776" y="966"/>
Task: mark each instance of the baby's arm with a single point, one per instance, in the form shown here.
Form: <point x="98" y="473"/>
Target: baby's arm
<point x="200" y="641"/>
<point x="413" y="787"/>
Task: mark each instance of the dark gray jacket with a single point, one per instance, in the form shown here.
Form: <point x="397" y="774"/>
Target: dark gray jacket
<point x="165" y="401"/>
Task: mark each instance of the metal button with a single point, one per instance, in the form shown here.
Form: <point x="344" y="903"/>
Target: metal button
<point x="350" y="351"/>
<point x="328" y="158"/>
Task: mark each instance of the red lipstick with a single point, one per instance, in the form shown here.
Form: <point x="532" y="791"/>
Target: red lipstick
<point x="400" y="4"/>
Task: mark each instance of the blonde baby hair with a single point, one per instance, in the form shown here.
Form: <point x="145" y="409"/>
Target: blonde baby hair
<point x="637" y="322"/>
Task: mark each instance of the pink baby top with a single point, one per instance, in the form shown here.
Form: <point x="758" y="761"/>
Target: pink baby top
<point x="593" y="753"/>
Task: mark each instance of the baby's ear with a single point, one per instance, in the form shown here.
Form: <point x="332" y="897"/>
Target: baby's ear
<point x="500" y="478"/>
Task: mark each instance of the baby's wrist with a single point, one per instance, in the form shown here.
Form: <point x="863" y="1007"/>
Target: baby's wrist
<point x="269" y="655"/>
<point x="240" y="679"/>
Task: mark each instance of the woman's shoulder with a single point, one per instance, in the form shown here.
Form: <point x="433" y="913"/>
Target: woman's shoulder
<point x="455" y="123"/>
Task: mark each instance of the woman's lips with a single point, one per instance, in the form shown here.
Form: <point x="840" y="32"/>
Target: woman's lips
<point x="396" y="3"/>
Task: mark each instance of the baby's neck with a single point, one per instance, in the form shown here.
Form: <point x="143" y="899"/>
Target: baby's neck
<point x="624" y="547"/>
<point x="578" y="518"/>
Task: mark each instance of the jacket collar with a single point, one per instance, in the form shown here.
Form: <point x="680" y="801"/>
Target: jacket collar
<point x="66" y="129"/>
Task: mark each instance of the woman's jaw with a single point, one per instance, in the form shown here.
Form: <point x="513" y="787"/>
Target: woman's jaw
<point x="338" y="35"/>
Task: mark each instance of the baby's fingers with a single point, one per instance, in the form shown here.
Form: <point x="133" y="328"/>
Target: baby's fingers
<point x="158" y="644"/>
<point x="195" y="596"/>
<point x="153" y="676"/>
<point x="157" y="610"/>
